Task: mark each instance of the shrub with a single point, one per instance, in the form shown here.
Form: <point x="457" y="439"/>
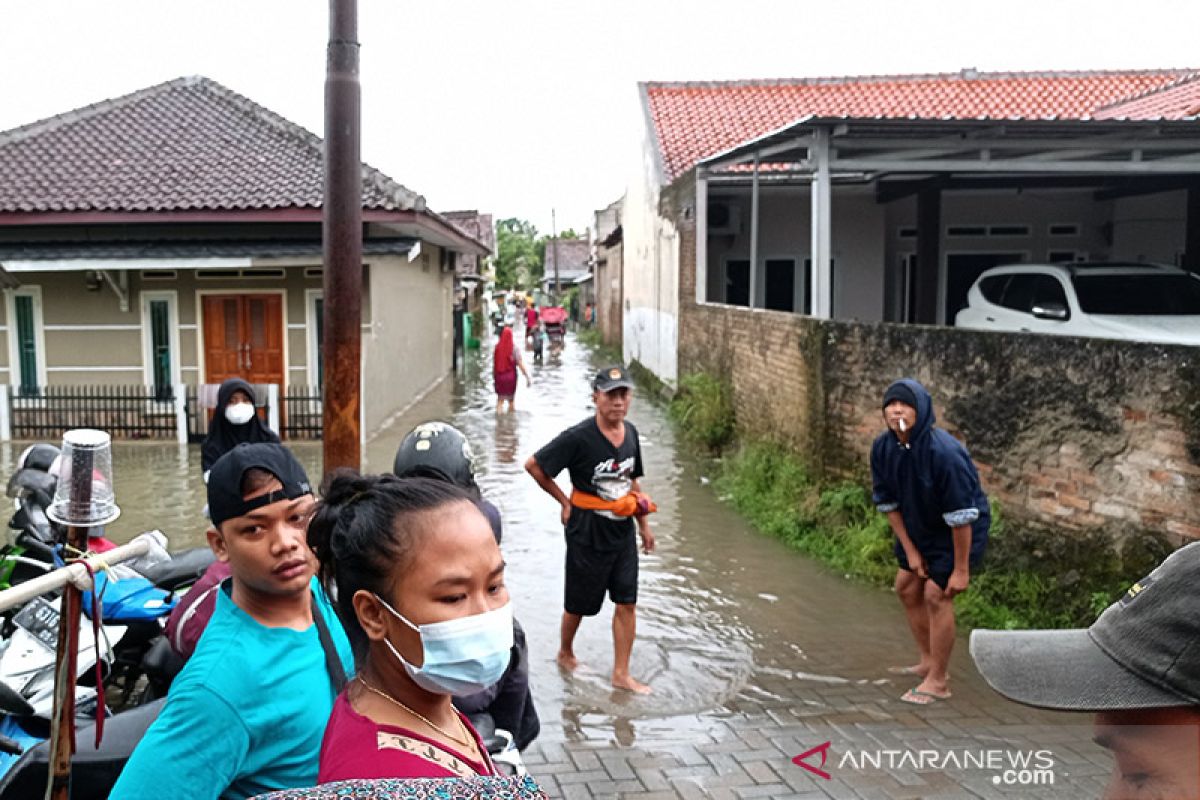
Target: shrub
<point x="703" y="409"/>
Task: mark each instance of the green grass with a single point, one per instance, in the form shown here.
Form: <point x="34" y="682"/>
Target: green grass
<point x="1028" y="580"/>
<point x="592" y="339"/>
<point x="703" y="410"/>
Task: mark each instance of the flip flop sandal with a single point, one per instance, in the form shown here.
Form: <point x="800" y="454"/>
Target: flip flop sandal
<point x="918" y="698"/>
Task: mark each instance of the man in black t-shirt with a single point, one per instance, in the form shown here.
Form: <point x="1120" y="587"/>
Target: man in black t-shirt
<point x="604" y="459"/>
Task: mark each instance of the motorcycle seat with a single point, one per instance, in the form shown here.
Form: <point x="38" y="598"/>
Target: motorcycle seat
<point x="184" y="568"/>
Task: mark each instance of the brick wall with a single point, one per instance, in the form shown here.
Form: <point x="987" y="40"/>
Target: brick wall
<point x="1074" y="434"/>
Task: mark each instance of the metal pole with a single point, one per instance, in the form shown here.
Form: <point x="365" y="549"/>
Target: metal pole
<point x="62" y="744"/>
<point x="756" y="295"/>
<point x="342" y="240"/>
<point x="554" y="249"/>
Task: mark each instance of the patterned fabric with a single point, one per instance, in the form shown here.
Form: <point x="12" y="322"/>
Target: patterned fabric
<point x="964" y="516"/>
<point x="492" y="788"/>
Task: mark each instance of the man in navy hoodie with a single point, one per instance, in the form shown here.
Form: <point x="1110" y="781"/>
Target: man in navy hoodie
<point x="925" y="482"/>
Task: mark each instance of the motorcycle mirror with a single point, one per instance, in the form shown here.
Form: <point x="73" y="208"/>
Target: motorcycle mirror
<point x="12" y="703"/>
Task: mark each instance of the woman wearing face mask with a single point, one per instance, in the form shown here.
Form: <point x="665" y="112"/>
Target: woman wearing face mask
<point x="420" y="587"/>
<point x="234" y="421"/>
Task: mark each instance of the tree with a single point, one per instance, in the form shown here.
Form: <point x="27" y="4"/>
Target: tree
<point x="518" y="256"/>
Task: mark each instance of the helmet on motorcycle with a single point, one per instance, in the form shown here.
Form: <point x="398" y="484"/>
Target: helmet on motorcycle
<point x="38" y="457"/>
<point x="436" y="450"/>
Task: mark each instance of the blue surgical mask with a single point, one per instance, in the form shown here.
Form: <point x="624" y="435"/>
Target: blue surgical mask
<point x="462" y="656"/>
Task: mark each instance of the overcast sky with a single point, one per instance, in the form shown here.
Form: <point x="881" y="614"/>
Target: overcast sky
<point x="520" y="106"/>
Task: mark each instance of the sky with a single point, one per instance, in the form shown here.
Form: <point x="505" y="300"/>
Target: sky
<point x="522" y="108"/>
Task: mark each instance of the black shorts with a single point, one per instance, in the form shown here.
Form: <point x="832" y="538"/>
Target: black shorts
<point x="590" y="573"/>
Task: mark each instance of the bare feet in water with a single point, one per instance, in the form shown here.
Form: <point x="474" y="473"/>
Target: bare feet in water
<point x="630" y="684"/>
<point x="567" y="661"/>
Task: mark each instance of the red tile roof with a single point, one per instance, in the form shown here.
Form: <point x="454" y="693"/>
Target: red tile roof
<point x="691" y="121"/>
<point x="1177" y="100"/>
<point x="186" y="145"/>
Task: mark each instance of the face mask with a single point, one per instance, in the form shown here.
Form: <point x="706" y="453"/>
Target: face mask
<point x="239" y="413"/>
<point x="462" y="656"/>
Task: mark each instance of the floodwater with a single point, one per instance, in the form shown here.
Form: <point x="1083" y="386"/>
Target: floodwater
<point x="731" y="623"/>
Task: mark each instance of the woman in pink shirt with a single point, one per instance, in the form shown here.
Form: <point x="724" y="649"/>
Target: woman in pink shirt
<point x="420" y="588"/>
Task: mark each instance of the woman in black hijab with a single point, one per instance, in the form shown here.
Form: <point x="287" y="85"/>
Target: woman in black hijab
<point x="234" y="421"/>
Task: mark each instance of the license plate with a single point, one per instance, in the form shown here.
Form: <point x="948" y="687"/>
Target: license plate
<point x="40" y="619"/>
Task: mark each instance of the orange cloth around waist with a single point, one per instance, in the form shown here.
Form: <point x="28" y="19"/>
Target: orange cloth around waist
<point x="634" y="504"/>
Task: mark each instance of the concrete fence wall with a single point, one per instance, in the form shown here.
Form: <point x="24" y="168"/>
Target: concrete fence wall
<point x="1073" y="434"/>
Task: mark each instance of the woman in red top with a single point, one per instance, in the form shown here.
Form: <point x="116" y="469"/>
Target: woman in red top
<point x="506" y="360"/>
<point x="420" y="588"/>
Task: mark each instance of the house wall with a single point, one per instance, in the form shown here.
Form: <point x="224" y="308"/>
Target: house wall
<point x="609" y="304"/>
<point x="784" y="231"/>
<point x="89" y="341"/>
<point x="1150" y="227"/>
<point x="409" y="346"/>
<point x="651" y="275"/>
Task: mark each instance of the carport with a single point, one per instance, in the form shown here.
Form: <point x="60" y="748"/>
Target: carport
<point x="926" y="158"/>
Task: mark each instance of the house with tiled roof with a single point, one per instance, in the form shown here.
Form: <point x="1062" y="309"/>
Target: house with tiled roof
<point x="882" y="198"/>
<point x="172" y="237"/>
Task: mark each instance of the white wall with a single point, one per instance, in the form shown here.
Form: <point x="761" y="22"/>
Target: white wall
<point x="1150" y="227"/>
<point x="784" y="232"/>
<point x="1037" y="208"/>
<point x="651" y="264"/>
<point x="409" y="346"/>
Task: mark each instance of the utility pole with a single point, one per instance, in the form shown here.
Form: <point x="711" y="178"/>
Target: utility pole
<point x="554" y="249"/>
<point x="341" y="241"/>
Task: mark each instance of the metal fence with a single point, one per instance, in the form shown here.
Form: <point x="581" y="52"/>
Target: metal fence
<point x="146" y="412"/>
<point x="303" y="412"/>
<point x="126" y="412"/>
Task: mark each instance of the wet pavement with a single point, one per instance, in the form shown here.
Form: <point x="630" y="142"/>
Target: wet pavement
<point x="756" y="654"/>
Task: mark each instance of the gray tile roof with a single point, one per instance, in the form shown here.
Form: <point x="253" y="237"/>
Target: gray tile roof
<point x="216" y="248"/>
<point x="186" y="145"/>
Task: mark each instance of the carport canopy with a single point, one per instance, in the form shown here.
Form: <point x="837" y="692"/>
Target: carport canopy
<point x="903" y="157"/>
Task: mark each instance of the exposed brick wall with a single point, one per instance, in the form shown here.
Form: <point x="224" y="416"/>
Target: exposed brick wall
<point x="1074" y="434"/>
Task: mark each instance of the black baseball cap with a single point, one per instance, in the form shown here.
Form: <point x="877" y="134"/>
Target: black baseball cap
<point x="225" y="480"/>
<point x="1143" y="651"/>
<point x="609" y="378"/>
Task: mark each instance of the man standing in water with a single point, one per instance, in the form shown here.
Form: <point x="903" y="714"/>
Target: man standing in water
<point x="925" y="482"/>
<point x="604" y="458"/>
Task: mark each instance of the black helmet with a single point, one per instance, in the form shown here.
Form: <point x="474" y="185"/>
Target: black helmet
<point x="436" y="450"/>
<point x="38" y="457"/>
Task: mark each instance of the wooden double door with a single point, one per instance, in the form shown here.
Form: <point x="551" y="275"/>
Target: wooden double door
<point x="243" y="337"/>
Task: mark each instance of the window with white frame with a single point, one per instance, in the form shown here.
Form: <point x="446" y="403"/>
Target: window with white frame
<point x="160" y="342"/>
<point x="26" y="340"/>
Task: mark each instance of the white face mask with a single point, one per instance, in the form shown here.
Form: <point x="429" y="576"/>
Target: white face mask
<point x="239" y="413"/>
<point x="462" y="656"/>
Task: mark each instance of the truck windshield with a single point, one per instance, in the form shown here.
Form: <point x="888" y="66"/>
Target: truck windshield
<point x="1138" y="294"/>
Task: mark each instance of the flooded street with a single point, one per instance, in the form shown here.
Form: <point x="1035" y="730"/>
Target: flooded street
<point x="755" y="653"/>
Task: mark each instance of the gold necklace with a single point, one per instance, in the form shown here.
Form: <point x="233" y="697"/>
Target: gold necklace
<point x="465" y="743"/>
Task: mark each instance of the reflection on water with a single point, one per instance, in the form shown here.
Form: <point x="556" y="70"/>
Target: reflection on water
<point x="729" y="621"/>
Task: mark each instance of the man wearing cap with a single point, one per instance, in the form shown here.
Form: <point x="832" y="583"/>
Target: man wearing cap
<point x="247" y="713"/>
<point x="1137" y="668"/>
<point x="604" y="459"/>
<point x="924" y="480"/>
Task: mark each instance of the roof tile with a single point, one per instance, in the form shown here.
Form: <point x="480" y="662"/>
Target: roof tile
<point x="186" y="145"/>
<point x="692" y="121"/>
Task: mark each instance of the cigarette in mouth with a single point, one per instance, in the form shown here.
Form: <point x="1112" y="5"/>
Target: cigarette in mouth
<point x="903" y="426"/>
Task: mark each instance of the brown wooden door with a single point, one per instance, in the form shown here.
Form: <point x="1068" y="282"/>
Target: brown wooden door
<point x="243" y="337"/>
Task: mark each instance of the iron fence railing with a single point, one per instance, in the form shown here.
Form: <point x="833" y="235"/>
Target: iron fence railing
<point x="302" y="413"/>
<point x="126" y="412"/>
<point x="147" y="412"/>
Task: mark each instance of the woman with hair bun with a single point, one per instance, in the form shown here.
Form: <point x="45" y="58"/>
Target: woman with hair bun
<point x="420" y="590"/>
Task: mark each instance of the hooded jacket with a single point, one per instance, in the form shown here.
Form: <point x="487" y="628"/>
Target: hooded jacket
<point x="932" y="482"/>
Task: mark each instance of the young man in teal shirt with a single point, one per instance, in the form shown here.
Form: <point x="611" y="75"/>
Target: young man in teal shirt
<point x="247" y="713"/>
